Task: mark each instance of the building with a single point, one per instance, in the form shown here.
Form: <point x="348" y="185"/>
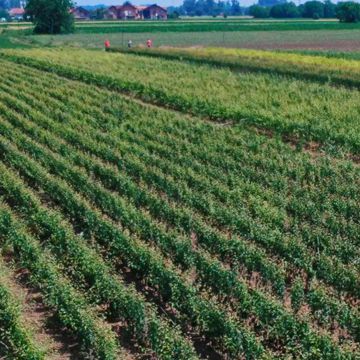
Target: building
<point x="80" y="13"/>
<point x="154" y="12"/>
<point x="16" y="13"/>
<point x="127" y="11"/>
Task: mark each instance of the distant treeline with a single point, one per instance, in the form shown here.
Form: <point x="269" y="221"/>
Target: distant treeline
<point x="345" y="11"/>
<point x="310" y="9"/>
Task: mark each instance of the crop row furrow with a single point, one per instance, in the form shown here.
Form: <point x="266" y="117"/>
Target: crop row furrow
<point x="16" y="342"/>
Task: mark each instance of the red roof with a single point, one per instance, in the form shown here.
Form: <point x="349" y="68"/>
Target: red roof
<point x="16" y="11"/>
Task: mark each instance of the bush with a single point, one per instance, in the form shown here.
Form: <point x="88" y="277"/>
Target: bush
<point x="348" y="12"/>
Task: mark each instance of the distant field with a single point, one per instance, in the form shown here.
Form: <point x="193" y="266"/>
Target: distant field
<point x="297" y="34"/>
<point x="341" y="40"/>
<point x="204" y="26"/>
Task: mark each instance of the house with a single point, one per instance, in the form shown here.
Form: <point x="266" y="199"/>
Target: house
<point x="111" y="13"/>
<point x="154" y="12"/>
<point x="127" y="11"/>
<point x="16" y="13"/>
<point x="80" y="13"/>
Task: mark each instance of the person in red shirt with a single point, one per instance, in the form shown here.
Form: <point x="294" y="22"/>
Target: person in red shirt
<point x="149" y="43"/>
<point x="107" y="44"/>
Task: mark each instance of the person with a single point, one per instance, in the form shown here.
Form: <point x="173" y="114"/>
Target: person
<point x="149" y="43"/>
<point x="107" y="44"/>
<point x="129" y="44"/>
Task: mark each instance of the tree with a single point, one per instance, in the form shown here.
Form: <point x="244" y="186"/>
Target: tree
<point x="287" y="10"/>
<point x="329" y="9"/>
<point x="348" y="11"/>
<point x="259" y="12"/>
<point x="235" y="7"/>
<point x="189" y="7"/>
<point x="51" y="17"/>
<point x="270" y="3"/>
<point x="4" y="14"/>
<point x="313" y="9"/>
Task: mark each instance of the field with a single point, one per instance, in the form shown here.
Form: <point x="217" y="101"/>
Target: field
<point x="179" y="203"/>
<point x="236" y="32"/>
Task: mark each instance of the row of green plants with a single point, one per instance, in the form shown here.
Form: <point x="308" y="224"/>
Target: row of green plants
<point x="16" y="341"/>
<point x="315" y="244"/>
<point x="328" y="70"/>
<point x="307" y="110"/>
<point x="69" y="305"/>
<point x="81" y="183"/>
<point x="89" y="272"/>
<point x="199" y="313"/>
<point x="294" y="251"/>
<point x="228" y="25"/>
<point x="256" y="172"/>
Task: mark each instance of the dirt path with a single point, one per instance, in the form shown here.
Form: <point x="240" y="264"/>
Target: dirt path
<point x="36" y="316"/>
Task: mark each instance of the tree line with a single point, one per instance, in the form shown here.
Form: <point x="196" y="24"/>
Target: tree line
<point x="348" y="11"/>
<point x="345" y="11"/>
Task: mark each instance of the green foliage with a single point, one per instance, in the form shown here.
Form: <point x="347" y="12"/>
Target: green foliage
<point x="259" y="12"/>
<point x="297" y="294"/>
<point x="313" y="9"/>
<point x="15" y="340"/>
<point x="348" y="12"/>
<point x="286" y="10"/>
<point x="209" y="221"/>
<point x="51" y="17"/>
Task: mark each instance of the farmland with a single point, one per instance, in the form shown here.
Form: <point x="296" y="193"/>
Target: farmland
<point x="234" y="32"/>
<point x="179" y="204"/>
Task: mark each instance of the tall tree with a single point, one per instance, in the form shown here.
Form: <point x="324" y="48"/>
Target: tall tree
<point x="329" y="9"/>
<point x="348" y="11"/>
<point x="235" y="7"/>
<point x="51" y="17"/>
<point x="313" y="9"/>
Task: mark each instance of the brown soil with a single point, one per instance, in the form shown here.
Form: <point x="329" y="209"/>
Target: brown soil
<point x="39" y="319"/>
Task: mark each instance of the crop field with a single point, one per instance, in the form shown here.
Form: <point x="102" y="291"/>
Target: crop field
<point x="157" y="208"/>
<point x="233" y="32"/>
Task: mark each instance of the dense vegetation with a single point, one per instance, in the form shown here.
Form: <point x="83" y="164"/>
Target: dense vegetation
<point x="295" y="108"/>
<point x="335" y="70"/>
<point x="197" y="238"/>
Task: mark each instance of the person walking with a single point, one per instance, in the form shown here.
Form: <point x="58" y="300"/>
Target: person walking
<point x="107" y="45"/>
<point x="129" y="44"/>
<point x="149" y="43"/>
